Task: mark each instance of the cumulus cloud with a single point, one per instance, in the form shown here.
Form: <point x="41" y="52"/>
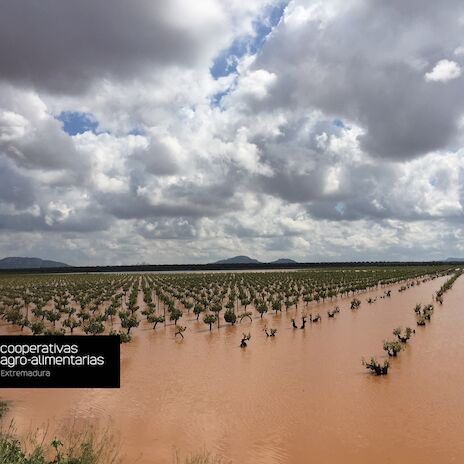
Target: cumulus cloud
<point x="333" y="132"/>
<point x="64" y="46"/>
<point x="13" y="126"/>
<point x="33" y="138"/>
<point x="444" y="71"/>
<point x="364" y="62"/>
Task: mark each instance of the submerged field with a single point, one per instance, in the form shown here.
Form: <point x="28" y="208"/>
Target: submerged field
<point x="299" y="396"/>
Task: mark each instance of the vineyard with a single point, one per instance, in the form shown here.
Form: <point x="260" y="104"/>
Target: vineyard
<point x="120" y="303"/>
<point x="222" y="358"/>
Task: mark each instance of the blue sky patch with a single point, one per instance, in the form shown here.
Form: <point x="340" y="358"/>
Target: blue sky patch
<point x="216" y="100"/>
<point x="137" y="131"/>
<point x="226" y="62"/>
<point x="340" y="207"/>
<point x="75" y="122"/>
<point x="338" y="123"/>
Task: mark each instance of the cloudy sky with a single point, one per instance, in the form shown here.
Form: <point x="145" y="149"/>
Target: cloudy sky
<point x="184" y="132"/>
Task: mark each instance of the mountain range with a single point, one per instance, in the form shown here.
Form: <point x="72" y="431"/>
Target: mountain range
<point x="16" y="262"/>
<point x="248" y="260"/>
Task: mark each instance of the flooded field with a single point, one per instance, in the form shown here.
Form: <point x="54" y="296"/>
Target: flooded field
<point x="300" y="397"/>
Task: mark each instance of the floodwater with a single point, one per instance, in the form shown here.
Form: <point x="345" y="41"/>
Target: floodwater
<point x="301" y="397"/>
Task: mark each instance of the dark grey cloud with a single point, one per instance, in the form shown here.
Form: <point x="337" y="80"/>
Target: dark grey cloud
<point x="184" y="200"/>
<point x="15" y="188"/>
<point x="292" y="186"/>
<point x="47" y="148"/>
<point x="82" y="222"/>
<point x="367" y="64"/>
<point x="131" y="207"/>
<point x="156" y="159"/>
<point x="64" y="45"/>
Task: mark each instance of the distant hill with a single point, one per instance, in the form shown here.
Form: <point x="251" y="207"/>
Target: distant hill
<point x="238" y="260"/>
<point x="248" y="260"/>
<point x="28" y="263"/>
<point x="455" y="260"/>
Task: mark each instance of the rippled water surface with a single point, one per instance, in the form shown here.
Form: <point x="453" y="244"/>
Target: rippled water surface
<point x="301" y="397"/>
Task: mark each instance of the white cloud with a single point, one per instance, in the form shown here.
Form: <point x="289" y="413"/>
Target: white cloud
<point x="12" y="126"/>
<point x="57" y="211"/>
<point x="444" y="71"/>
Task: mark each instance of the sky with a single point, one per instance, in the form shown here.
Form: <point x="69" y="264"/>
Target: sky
<point x="186" y="132"/>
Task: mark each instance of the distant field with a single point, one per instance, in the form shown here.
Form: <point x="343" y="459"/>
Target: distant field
<point x="117" y="303"/>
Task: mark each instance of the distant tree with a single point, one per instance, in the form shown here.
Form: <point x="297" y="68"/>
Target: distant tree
<point x="262" y="309"/>
<point x="93" y="327"/>
<point x="376" y="367"/>
<point x="129" y="322"/>
<point x="403" y="337"/>
<point x="217" y="308"/>
<point x="230" y="316"/>
<point x="111" y="311"/>
<point x="71" y="323"/>
<point x="175" y="315"/>
<point x="198" y="309"/>
<point x="392" y="347"/>
<point x="277" y="306"/>
<point x="37" y="327"/>
<point x="53" y="316"/>
<point x="209" y="319"/>
<point x="307" y="299"/>
<point x="155" y="319"/>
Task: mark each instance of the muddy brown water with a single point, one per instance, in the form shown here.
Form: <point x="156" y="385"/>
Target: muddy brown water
<point x="301" y="397"/>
